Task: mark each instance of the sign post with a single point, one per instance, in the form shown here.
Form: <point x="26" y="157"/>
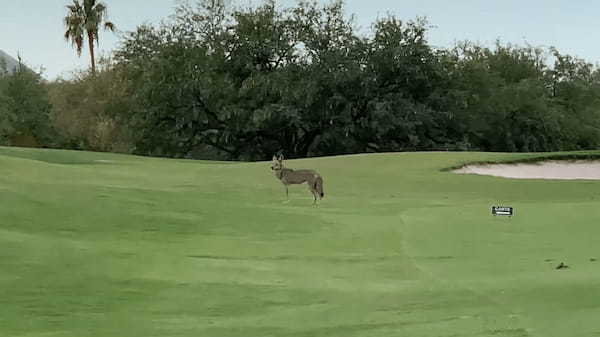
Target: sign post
<point x="503" y="211"/>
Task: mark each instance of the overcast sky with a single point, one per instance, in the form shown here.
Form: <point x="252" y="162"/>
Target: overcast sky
<point x="34" y="28"/>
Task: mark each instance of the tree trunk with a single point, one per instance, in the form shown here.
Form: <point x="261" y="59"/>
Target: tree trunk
<point x="92" y="56"/>
<point x="304" y="144"/>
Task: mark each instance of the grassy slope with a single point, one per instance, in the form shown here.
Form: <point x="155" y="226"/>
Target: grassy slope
<point x="110" y="245"/>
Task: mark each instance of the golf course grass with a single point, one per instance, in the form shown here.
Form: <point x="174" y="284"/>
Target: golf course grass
<point x="95" y="244"/>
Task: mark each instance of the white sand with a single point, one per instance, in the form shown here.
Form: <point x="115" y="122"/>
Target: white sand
<point x="565" y="170"/>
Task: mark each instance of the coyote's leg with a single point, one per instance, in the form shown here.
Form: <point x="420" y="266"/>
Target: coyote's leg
<point x="287" y="197"/>
<point x="312" y="190"/>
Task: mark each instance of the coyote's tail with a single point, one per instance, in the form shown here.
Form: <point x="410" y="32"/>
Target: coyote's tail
<point x="319" y="186"/>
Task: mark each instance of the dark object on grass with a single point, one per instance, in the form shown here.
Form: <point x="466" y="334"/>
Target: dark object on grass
<point x="502" y="210"/>
<point x="593" y="259"/>
<point x="562" y="266"/>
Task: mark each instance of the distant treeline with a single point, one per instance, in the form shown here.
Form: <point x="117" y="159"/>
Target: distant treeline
<point x="216" y="82"/>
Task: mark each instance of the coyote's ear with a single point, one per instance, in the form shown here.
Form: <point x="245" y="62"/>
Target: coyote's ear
<point x="280" y="157"/>
<point x="275" y="157"/>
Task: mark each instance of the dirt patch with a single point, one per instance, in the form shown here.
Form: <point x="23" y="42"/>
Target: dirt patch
<point x="559" y="170"/>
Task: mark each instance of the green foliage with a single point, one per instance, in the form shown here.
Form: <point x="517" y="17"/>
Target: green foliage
<point x="404" y="79"/>
<point x="90" y="110"/>
<point x="24" y="109"/>
<point x="297" y="79"/>
<point x="509" y="99"/>
<point x="215" y="82"/>
<point x="575" y="86"/>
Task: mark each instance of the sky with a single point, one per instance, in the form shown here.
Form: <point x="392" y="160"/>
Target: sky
<point x="34" y="29"/>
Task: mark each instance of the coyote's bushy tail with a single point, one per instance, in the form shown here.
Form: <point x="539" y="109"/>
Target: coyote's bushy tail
<point x="319" y="186"/>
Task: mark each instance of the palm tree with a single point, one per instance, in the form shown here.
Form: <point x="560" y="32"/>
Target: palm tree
<point x="86" y="19"/>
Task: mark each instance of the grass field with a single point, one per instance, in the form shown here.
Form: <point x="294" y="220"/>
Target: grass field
<point x="111" y="245"/>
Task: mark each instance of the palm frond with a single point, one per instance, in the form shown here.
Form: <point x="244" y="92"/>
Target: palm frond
<point x="84" y="18"/>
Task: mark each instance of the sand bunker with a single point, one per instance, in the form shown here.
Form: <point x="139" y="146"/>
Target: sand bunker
<point x="567" y="170"/>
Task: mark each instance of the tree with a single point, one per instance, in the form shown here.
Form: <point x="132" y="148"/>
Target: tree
<point x="219" y="83"/>
<point x="503" y="102"/>
<point x="86" y="19"/>
<point x="24" y="109"/>
<point x="95" y="122"/>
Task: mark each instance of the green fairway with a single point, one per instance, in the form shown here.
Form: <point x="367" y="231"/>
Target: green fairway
<point x="96" y="244"/>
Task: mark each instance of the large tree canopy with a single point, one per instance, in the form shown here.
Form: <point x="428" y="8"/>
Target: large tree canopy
<point x="221" y="82"/>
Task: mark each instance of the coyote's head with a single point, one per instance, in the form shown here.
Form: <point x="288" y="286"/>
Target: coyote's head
<point x="277" y="163"/>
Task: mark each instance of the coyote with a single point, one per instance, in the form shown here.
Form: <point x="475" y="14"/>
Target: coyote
<point x="290" y="177"/>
